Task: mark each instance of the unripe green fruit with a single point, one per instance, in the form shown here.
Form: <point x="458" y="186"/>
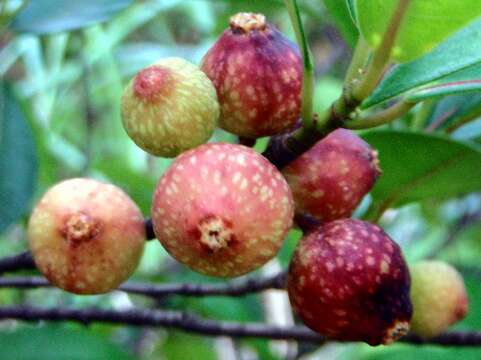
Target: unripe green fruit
<point x="169" y="107"/>
<point x="85" y="236"/>
<point x="438" y="296"/>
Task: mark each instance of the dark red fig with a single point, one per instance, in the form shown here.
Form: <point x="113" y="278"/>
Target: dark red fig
<point x="348" y="281"/>
<point x="257" y="73"/>
<point x="329" y="180"/>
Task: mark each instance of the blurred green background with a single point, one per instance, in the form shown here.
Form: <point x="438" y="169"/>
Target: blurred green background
<point x="63" y="66"/>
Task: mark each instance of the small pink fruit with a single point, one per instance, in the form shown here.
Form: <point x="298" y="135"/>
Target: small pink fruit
<point x="85" y="236"/>
<point x="222" y="209"/>
<point x="439" y="297"/>
<point x="170" y="107"/>
<point x="329" y="180"/>
<point x="257" y="73"/>
<point x="348" y="281"/>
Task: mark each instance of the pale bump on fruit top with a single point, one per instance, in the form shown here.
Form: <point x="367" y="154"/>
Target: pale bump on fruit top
<point x="348" y="281"/>
<point x="330" y="179"/>
<point x="222" y="209"/>
<point x="169" y="107"/>
<point x="257" y="73"/>
<point x="85" y="236"/>
<point x="438" y="295"/>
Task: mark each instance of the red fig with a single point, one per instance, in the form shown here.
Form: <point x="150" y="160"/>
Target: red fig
<point x="257" y="73"/>
<point x="348" y="281"/>
<point x="222" y="209"/>
<point x="329" y="180"/>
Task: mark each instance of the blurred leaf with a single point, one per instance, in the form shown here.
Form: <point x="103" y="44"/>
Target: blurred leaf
<point x="425" y="352"/>
<point x="180" y="346"/>
<point x="425" y="24"/>
<point x="466" y="248"/>
<point x="48" y="16"/>
<point x="51" y="343"/>
<point x="18" y="163"/>
<point x="420" y="166"/>
<point x="343" y="19"/>
<point x="455" y="54"/>
<point x="448" y="110"/>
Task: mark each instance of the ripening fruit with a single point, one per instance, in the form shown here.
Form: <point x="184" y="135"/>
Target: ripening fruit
<point x="169" y="107"/>
<point x="438" y="296"/>
<point x="257" y="73"/>
<point x="85" y="236"/>
<point x="348" y="281"/>
<point x="329" y="180"/>
<point x="222" y="209"/>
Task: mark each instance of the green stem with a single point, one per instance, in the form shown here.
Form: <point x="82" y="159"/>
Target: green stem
<point x="308" y="67"/>
<point x="422" y="115"/>
<point x="382" y="55"/>
<point x="381" y="117"/>
<point x="358" y="61"/>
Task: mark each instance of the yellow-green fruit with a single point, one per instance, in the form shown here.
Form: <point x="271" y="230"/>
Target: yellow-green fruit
<point x="85" y="236"/>
<point x="169" y="107"/>
<point x="438" y="296"/>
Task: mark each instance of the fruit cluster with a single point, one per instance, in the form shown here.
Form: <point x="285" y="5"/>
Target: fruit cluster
<point x="223" y="209"/>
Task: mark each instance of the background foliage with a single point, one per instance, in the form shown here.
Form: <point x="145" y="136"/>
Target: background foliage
<point x="63" y="66"/>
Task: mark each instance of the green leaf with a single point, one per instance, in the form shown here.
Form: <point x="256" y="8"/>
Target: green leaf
<point x="465" y="81"/>
<point x="18" y="162"/>
<point x="457" y="53"/>
<point x="343" y="19"/>
<point x="425" y="24"/>
<point x="420" y="166"/>
<point x="49" y="16"/>
<point x="57" y="343"/>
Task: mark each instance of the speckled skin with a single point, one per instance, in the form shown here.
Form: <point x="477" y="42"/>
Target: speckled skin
<point x="439" y="297"/>
<point x="170" y="107"/>
<point x="86" y="237"/>
<point x="329" y="180"/>
<point x="222" y="209"/>
<point x="257" y="73"/>
<point x="348" y="281"/>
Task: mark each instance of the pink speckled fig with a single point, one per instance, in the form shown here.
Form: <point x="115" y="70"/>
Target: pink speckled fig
<point x="222" y="209"/>
<point x="257" y="73"/>
<point x="348" y="281"/>
<point x="169" y="107"/>
<point x="329" y="180"/>
<point x="85" y="236"/>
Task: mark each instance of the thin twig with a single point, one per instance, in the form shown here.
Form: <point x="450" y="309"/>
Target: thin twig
<point x="232" y="288"/>
<point x="22" y="261"/>
<point x="194" y="324"/>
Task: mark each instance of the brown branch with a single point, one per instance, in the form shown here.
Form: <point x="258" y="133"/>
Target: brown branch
<point x="194" y="324"/>
<point x="233" y="288"/>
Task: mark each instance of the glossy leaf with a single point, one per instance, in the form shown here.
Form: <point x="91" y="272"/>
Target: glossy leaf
<point x="465" y="81"/>
<point x="50" y="16"/>
<point x="456" y="54"/>
<point x="18" y="163"/>
<point x="419" y="166"/>
<point x="425" y="24"/>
